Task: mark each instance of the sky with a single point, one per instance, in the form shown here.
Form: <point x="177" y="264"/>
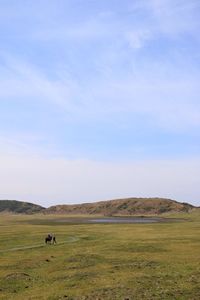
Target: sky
<point x="99" y="100"/>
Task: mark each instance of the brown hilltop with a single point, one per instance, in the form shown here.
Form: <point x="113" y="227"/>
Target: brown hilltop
<point x="128" y="206"/>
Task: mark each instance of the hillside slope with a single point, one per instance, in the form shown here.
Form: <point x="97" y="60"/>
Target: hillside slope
<point x="129" y="206"/>
<point x="19" y="207"/>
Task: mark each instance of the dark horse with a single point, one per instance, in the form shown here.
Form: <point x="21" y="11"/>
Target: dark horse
<point x="50" y="238"/>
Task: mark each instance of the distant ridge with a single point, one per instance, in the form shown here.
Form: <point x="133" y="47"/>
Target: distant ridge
<point x="19" y="207"/>
<point x="128" y="206"/>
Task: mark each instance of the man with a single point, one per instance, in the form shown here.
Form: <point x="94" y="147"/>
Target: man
<point x="54" y="240"/>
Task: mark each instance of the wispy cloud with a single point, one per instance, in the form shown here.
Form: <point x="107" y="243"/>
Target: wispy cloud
<point x="137" y="39"/>
<point x="87" y="79"/>
<point x="176" y="17"/>
<point x="22" y="79"/>
<point x="27" y="144"/>
<point x="171" y="102"/>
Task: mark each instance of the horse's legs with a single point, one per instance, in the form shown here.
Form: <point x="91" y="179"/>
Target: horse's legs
<point x="47" y="240"/>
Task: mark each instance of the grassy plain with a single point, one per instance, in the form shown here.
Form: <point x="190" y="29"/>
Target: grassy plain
<point x="99" y="261"/>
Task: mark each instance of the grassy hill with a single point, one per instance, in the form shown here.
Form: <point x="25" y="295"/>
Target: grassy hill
<point x="129" y="206"/>
<point x="19" y="207"/>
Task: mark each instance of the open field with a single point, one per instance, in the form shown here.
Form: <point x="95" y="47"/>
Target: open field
<point x="99" y="261"/>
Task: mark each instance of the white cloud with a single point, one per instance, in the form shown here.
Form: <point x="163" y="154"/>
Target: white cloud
<point x="20" y="79"/>
<point x="176" y="16"/>
<point x="117" y="81"/>
<point x="164" y="19"/>
<point x="171" y="102"/>
<point x="138" y="38"/>
<point x="26" y="144"/>
<point x="163" y="93"/>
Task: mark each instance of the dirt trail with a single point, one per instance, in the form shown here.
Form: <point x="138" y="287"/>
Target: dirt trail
<point x="71" y="239"/>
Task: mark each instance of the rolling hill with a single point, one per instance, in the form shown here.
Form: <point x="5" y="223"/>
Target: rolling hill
<point x="129" y="206"/>
<point x="19" y="207"/>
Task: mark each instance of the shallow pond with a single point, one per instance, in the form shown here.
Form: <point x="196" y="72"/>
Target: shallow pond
<point x="112" y="220"/>
<point x="125" y="220"/>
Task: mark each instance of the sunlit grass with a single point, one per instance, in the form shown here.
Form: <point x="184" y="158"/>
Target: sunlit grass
<point x="98" y="261"/>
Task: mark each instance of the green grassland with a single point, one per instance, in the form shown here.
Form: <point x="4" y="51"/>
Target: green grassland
<point x="99" y="261"/>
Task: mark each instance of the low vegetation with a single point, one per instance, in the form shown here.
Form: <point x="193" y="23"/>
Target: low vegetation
<point x="99" y="261"/>
<point x="129" y="206"/>
<point x="19" y="207"/>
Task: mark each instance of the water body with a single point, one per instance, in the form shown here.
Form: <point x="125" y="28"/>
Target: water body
<point x="103" y="220"/>
<point x="118" y="220"/>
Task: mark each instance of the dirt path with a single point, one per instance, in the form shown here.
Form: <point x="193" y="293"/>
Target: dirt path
<point x="71" y="239"/>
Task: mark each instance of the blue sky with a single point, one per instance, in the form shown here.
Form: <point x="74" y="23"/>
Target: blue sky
<point x="99" y="100"/>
